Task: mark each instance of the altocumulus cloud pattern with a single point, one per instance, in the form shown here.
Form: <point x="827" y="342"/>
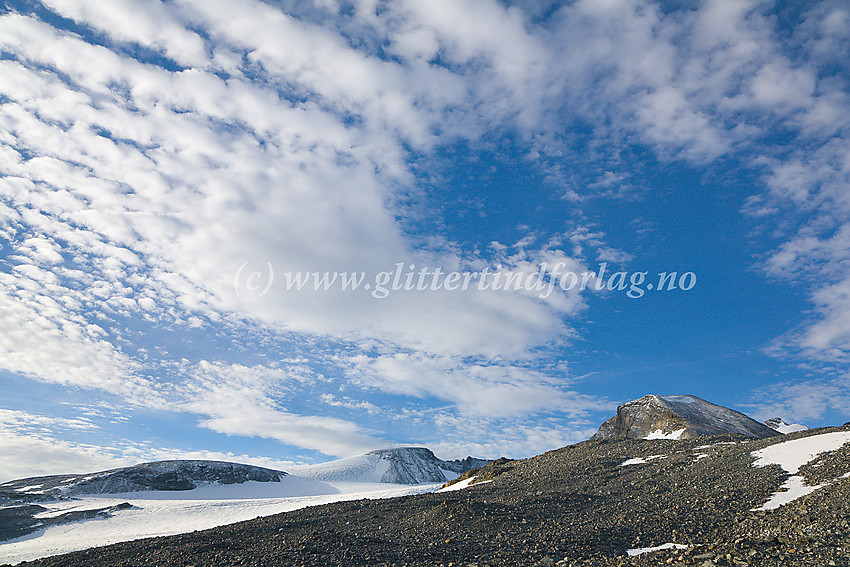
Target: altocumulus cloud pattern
<point x="151" y="152"/>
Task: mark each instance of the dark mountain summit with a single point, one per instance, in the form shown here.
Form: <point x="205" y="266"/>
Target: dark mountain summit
<point x="678" y="417"/>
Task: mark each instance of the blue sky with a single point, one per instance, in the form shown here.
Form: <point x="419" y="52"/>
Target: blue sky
<point x="165" y="165"/>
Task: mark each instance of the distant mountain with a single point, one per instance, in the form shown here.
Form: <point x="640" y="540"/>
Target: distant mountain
<point x="779" y="425"/>
<point x="401" y="465"/>
<point x="678" y="417"/>
<point x="158" y="475"/>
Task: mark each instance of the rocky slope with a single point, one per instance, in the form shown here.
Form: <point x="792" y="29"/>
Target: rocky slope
<point x="678" y="417"/>
<point x="587" y="504"/>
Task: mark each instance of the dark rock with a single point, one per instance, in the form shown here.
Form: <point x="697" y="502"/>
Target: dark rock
<point x="686" y="417"/>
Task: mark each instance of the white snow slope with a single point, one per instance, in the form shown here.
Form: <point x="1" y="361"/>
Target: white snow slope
<point x="160" y="513"/>
<point x="781" y="426"/>
<point x="791" y="455"/>
<point x="359" y="468"/>
<point x="410" y="465"/>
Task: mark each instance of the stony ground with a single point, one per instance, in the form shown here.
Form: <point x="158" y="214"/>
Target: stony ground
<point x="573" y="506"/>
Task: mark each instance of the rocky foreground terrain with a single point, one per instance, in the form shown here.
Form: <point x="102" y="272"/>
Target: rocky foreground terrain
<point x="579" y="505"/>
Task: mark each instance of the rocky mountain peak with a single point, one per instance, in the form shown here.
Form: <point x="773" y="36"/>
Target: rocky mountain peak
<point x="677" y="417"/>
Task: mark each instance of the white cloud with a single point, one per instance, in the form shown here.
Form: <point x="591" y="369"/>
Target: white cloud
<point x="41" y="339"/>
<point x="133" y="191"/>
<point x="240" y="400"/>
<point x="475" y="389"/>
<point x="811" y="186"/>
<point x="803" y="401"/>
<point x="191" y="203"/>
<point x="485" y="437"/>
<point x="150" y="24"/>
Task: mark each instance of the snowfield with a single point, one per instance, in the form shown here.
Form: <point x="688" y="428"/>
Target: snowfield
<point x="791" y="455"/>
<point x="640" y="460"/>
<point x="160" y="513"/>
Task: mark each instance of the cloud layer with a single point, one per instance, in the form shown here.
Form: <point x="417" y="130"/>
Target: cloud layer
<point x="150" y="153"/>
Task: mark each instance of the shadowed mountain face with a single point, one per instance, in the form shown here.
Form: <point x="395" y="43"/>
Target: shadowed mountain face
<point x="159" y="475"/>
<point x="417" y="465"/>
<point x="678" y="417"/>
<point x="400" y="465"/>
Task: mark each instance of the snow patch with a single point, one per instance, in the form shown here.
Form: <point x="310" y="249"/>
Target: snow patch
<point x="659" y="434"/>
<point x="642" y="550"/>
<point x="640" y="460"/>
<point x="791" y="428"/>
<point x="465" y="483"/>
<point x="791" y="455"/>
<point x="794" y="487"/>
<point x="779" y="424"/>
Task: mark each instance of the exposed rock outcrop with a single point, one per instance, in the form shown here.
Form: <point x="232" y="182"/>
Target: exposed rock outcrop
<point x="678" y="417"/>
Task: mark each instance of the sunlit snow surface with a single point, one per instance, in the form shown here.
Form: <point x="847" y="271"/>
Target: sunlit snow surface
<point x="791" y="455"/>
<point x="461" y="484"/>
<point x="658" y="434"/>
<point x="640" y="460"/>
<point x="642" y="550"/>
<point x="173" y="512"/>
<point x="787" y="428"/>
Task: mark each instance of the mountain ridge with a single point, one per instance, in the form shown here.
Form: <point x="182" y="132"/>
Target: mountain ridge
<point x="166" y="475"/>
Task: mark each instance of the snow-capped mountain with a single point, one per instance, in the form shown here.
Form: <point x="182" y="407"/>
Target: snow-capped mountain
<point x="401" y="465"/>
<point x="781" y="426"/>
<point x="677" y="417"/>
<point x="159" y="475"/>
